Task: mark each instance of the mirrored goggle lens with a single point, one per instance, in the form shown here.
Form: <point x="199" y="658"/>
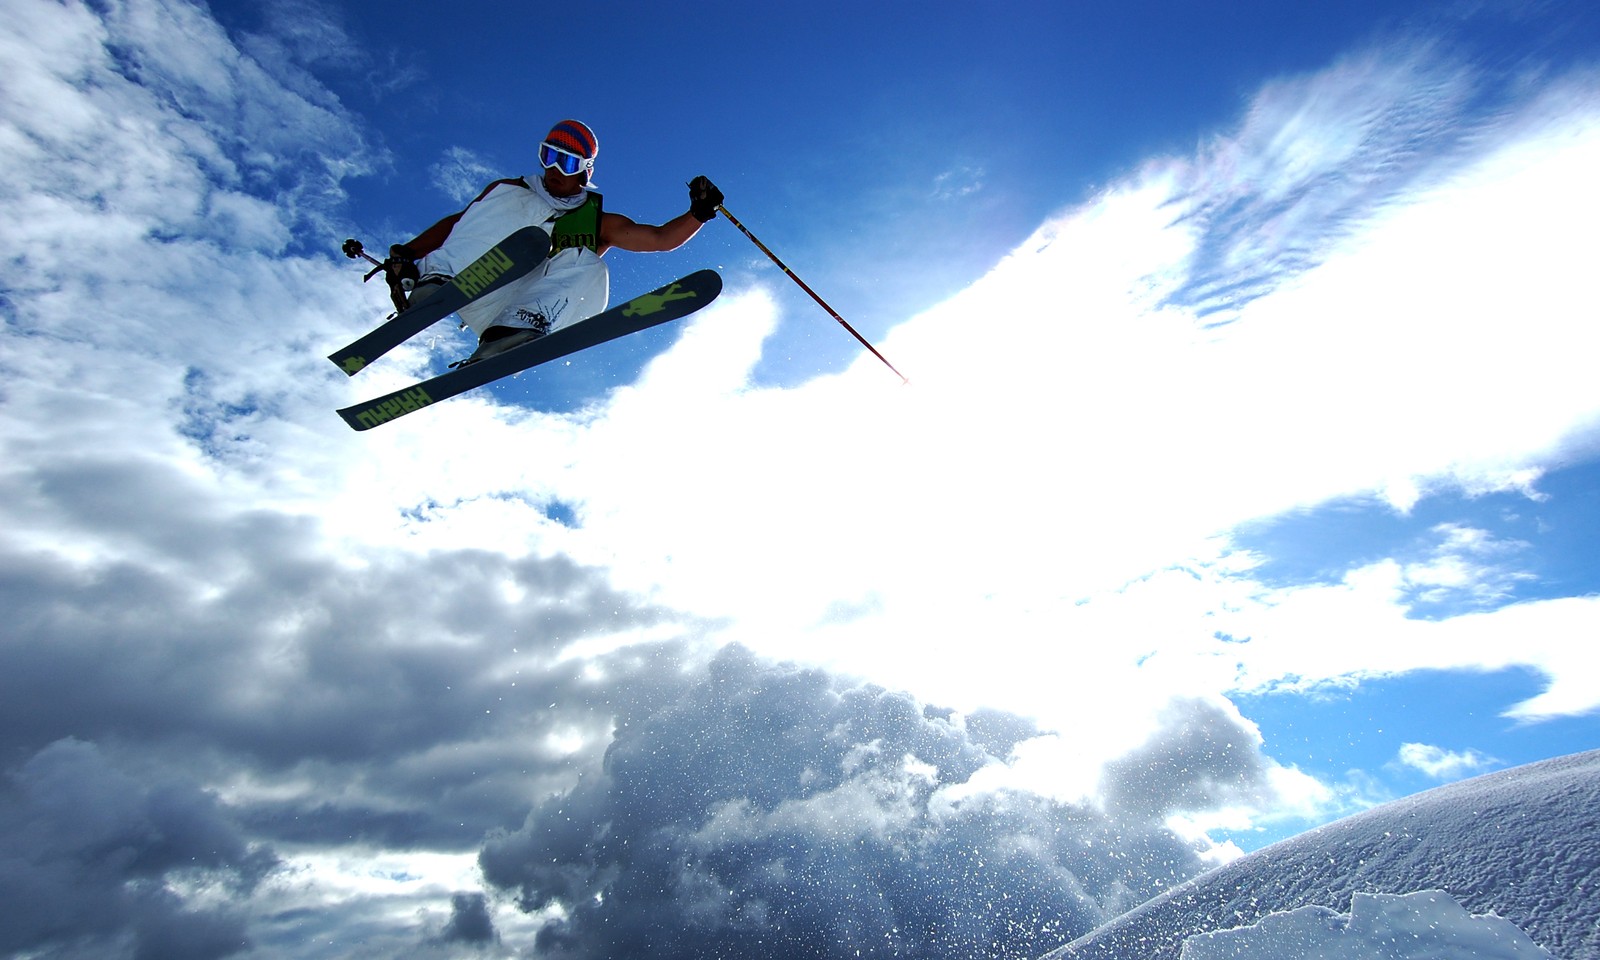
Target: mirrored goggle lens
<point x="552" y="156"/>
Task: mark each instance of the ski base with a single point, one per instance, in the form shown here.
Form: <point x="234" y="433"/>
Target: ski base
<point x="671" y="302"/>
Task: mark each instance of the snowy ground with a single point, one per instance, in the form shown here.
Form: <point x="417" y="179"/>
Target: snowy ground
<point x="1520" y="849"/>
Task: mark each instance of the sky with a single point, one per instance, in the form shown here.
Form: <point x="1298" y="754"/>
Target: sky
<point x="1244" y="480"/>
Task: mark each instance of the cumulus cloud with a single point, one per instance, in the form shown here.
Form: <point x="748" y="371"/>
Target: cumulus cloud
<point x="1391" y="242"/>
<point x="90" y="854"/>
<point x="171" y="562"/>
<point x="470" y="922"/>
<point x="1203" y="758"/>
<point x="783" y="808"/>
<point x="264" y="680"/>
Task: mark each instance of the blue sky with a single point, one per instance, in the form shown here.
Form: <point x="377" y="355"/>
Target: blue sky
<point x="932" y="141"/>
<point x="1246" y="478"/>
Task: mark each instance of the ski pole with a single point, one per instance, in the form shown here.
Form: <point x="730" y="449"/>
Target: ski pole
<point x="353" y="249"/>
<point x="822" y="303"/>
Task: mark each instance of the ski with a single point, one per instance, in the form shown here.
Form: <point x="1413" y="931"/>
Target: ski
<point x="506" y="261"/>
<point x="671" y="302"/>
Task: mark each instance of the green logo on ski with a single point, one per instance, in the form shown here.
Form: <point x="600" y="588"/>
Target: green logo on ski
<point x="640" y="313"/>
<point x="655" y="302"/>
<point x="393" y="406"/>
<point x="482" y="272"/>
<point x="354" y="365"/>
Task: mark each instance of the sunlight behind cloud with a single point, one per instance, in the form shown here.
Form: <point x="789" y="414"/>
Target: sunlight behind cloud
<point x="1071" y="431"/>
<point x="997" y="613"/>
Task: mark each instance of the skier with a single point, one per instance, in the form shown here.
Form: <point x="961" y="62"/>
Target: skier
<point x="572" y="283"/>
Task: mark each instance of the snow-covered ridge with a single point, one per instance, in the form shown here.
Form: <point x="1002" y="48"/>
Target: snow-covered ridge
<point x="1521" y="844"/>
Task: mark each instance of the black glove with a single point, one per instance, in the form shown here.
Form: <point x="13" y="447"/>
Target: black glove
<point x="704" y="199"/>
<point x="400" y="271"/>
<point x="401" y="265"/>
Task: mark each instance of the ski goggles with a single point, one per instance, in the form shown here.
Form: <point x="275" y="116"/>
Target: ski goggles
<point x="566" y="161"/>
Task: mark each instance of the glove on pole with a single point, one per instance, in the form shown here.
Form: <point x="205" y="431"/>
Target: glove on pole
<point x="396" y="270"/>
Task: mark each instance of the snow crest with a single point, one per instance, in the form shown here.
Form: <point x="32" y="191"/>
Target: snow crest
<point x="1520" y="844"/>
<point x="1426" y="925"/>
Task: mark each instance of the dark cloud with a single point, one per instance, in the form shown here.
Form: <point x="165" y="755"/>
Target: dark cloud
<point x="160" y="634"/>
<point x="469" y="920"/>
<point x="776" y="811"/>
<point x="414" y="703"/>
<point x="135" y="648"/>
<point x="419" y="690"/>
<point x="742" y="806"/>
<point x="88" y="850"/>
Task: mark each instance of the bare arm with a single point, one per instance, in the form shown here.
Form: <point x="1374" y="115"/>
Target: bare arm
<point x="618" y="231"/>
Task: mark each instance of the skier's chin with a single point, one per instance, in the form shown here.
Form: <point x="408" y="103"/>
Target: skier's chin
<point x="561" y="185"/>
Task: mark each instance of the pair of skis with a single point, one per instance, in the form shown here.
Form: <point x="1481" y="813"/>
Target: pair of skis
<point x="513" y="257"/>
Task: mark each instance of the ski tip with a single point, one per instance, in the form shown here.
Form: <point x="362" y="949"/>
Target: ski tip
<point x="365" y="416"/>
<point x="349" y="366"/>
<point x="354" y="424"/>
<point x="360" y="417"/>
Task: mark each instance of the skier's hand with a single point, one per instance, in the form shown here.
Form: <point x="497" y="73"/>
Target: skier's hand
<point x="401" y="265"/>
<point x="704" y="198"/>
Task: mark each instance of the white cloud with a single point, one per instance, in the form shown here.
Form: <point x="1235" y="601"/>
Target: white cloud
<point x="958" y="183"/>
<point x="1038" y="523"/>
<point x="1052" y="487"/>
<point x="1442" y="764"/>
<point x="1465" y="563"/>
<point x="462" y="174"/>
<point x="1303" y="637"/>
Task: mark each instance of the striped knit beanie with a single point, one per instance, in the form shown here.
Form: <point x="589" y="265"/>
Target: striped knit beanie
<point x="574" y="136"/>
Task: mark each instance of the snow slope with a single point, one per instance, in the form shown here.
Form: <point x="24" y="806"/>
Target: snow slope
<point x="1522" y="844"/>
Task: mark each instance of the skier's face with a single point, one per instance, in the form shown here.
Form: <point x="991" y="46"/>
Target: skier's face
<point x="562" y="184"/>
